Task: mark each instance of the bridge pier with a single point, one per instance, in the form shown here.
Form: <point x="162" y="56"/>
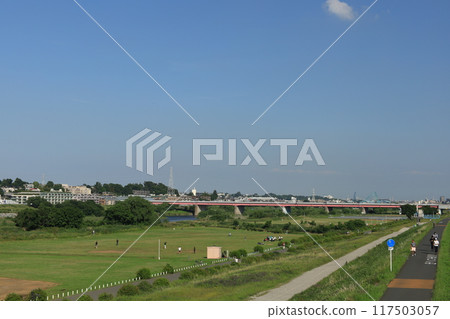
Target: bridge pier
<point x="419" y="211"/>
<point x="199" y="208"/>
<point x="286" y="209"/>
<point x="327" y="209"/>
<point x="363" y="210"/>
<point x="238" y="210"/>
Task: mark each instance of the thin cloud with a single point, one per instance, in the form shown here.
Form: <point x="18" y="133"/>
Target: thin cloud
<point x="340" y="9"/>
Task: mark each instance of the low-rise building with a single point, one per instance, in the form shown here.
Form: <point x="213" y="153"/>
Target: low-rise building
<point x="21" y="198"/>
<point x="77" y="190"/>
<point x="85" y="197"/>
<point x="56" y="197"/>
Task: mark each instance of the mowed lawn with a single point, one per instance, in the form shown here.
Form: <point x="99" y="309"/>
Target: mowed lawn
<point x="74" y="263"/>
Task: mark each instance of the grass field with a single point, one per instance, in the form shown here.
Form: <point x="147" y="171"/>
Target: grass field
<point x="242" y="282"/>
<point x="69" y="259"/>
<point x="74" y="263"/>
<point x="12" y="208"/>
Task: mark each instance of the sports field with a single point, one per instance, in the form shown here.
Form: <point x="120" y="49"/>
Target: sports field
<point x="73" y="263"/>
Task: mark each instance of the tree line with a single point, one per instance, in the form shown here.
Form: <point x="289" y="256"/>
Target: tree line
<point x="70" y="214"/>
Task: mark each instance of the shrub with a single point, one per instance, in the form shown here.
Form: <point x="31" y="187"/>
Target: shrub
<point x="128" y="290"/>
<point x="13" y="297"/>
<point x="211" y="271"/>
<point x="105" y="297"/>
<point x="37" y="295"/>
<point x="238" y="253"/>
<point x="243" y="252"/>
<point x="187" y="275"/>
<point x="161" y="283"/>
<point x="145" y="286"/>
<point x="198" y="272"/>
<point x="85" y="298"/>
<point x="168" y="268"/>
<point x="144" y="273"/>
<point x="258" y="249"/>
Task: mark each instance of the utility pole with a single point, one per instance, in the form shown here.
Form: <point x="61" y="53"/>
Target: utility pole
<point x="159" y="249"/>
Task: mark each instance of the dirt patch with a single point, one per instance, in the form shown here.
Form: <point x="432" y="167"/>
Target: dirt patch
<point x="106" y="251"/>
<point x="21" y="287"/>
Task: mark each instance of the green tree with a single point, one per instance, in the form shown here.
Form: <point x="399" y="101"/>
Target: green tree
<point x="31" y="219"/>
<point x="18" y="183"/>
<point x="49" y="185"/>
<point x="214" y="195"/>
<point x="98" y="188"/>
<point x="128" y="290"/>
<point x="428" y="210"/>
<point x="65" y="216"/>
<point x="7" y="182"/>
<point x="144" y="273"/>
<point x="37" y="202"/>
<point x="258" y="249"/>
<point x="134" y="210"/>
<point x="161" y="283"/>
<point x="408" y="210"/>
<point x="37" y="295"/>
<point x="169" y="269"/>
<point x="13" y="297"/>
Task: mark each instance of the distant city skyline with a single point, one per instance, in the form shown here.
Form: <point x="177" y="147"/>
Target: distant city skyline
<point x="376" y="104"/>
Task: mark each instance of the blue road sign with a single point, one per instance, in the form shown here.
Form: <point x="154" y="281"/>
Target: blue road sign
<point x="391" y="243"/>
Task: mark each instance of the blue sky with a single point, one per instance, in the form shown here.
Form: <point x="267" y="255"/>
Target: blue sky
<point x="377" y="104"/>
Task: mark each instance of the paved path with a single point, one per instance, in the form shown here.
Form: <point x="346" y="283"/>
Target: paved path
<point x="310" y="278"/>
<point x="415" y="281"/>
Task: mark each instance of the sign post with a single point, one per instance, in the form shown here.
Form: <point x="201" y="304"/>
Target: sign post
<point x="159" y="249"/>
<point x="390" y="244"/>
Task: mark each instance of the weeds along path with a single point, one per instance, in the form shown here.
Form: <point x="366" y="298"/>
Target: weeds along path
<point x="311" y="277"/>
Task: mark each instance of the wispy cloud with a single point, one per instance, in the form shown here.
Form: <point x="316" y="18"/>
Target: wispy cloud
<point x="340" y="9"/>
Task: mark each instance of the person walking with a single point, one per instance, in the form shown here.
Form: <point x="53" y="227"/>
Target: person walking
<point x="179" y="250"/>
<point x="165" y="245"/>
<point x="432" y="242"/>
<point x="117" y="242"/>
<point x="436" y="245"/>
<point x="413" y="248"/>
<point x="96" y="244"/>
<point x="194" y="249"/>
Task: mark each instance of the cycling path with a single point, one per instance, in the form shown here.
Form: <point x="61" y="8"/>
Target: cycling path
<point x="415" y="281"/>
